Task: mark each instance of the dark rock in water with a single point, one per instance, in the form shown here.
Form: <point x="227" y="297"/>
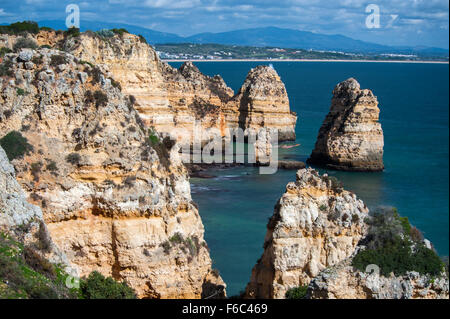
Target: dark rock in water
<point x="201" y="175"/>
<point x="291" y="165"/>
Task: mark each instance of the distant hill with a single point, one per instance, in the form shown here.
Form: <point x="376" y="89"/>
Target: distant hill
<point x="261" y="37"/>
<point x="150" y="35"/>
<point x="287" y="38"/>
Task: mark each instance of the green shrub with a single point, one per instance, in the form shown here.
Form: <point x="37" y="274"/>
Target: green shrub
<point x="400" y="257"/>
<point x="129" y="181"/>
<point x="166" y="247"/>
<point x="6" y="68"/>
<point x="152" y="137"/>
<point x="72" y="32"/>
<point x="334" y="183"/>
<point x="392" y="245"/>
<point x="45" y="29"/>
<point x="25" y="274"/>
<point x="15" y="145"/>
<point x="96" y="74"/>
<point x="21" y="92"/>
<point x="20" y="27"/>
<point x="57" y="59"/>
<point x="96" y="286"/>
<point x="101" y="99"/>
<point x="73" y="158"/>
<point x="177" y="238"/>
<point x="45" y="46"/>
<point x="105" y="33"/>
<point x="24" y="43"/>
<point x="86" y="62"/>
<point x="132" y="100"/>
<point x="36" y="170"/>
<point x="116" y="84"/>
<point x="37" y="59"/>
<point x="120" y="31"/>
<point x="297" y="293"/>
<point x="142" y="39"/>
<point x="51" y="166"/>
<point x="161" y="147"/>
<point x="4" y="50"/>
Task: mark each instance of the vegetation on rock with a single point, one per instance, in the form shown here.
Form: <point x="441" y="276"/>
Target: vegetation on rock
<point x="24" y="43"/>
<point x="26" y="275"/>
<point x="15" y="145"/>
<point x="20" y="28"/>
<point x="297" y="293"/>
<point x="396" y="247"/>
<point x="96" y="286"/>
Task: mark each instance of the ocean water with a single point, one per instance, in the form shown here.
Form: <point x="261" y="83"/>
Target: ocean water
<point x="414" y="104"/>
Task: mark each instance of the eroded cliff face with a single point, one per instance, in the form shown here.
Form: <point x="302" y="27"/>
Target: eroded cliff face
<point x="113" y="200"/>
<point x="316" y="224"/>
<point x="263" y="102"/>
<point x="350" y="137"/>
<point x="23" y="220"/>
<point x="344" y="282"/>
<point x="172" y="100"/>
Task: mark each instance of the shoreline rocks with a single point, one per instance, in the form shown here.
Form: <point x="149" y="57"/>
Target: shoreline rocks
<point x="344" y="282"/>
<point x="350" y="138"/>
<point x="316" y="224"/>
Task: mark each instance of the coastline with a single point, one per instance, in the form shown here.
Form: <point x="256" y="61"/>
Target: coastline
<point x="303" y="60"/>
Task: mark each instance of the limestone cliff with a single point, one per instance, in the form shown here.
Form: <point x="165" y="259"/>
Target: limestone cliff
<point x="316" y="224"/>
<point x="344" y="282"/>
<point x="321" y="237"/>
<point x="350" y="137"/>
<point x="114" y="200"/>
<point x="23" y="220"/>
<point x="171" y="100"/>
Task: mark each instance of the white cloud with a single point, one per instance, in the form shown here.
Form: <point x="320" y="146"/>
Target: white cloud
<point x="170" y="4"/>
<point x="3" y="13"/>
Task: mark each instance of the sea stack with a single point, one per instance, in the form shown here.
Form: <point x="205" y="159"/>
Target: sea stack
<point x="316" y="224"/>
<point x="351" y="138"/>
<point x="262" y="101"/>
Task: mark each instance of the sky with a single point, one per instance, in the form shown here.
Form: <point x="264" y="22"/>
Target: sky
<point x="402" y="22"/>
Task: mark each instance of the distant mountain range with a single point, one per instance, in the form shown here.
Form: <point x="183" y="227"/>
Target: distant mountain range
<point x="259" y="37"/>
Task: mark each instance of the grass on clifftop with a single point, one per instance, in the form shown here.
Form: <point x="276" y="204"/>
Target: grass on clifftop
<point x="396" y="247"/>
<point x="24" y="274"/>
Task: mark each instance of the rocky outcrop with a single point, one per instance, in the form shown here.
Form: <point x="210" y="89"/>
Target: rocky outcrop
<point x="344" y="282"/>
<point x="263" y="102"/>
<point x="173" y="100"/>
<point x="23" y="220"/>
<point x="350" y="137"/>
<point x="114" y="200"/>
<point x="316" y="224"/>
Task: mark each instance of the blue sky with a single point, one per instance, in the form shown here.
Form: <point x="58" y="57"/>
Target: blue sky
<point x="418" y="22"/>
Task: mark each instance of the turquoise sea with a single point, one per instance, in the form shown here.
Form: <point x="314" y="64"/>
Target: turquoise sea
<point x="414" y="103"/>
